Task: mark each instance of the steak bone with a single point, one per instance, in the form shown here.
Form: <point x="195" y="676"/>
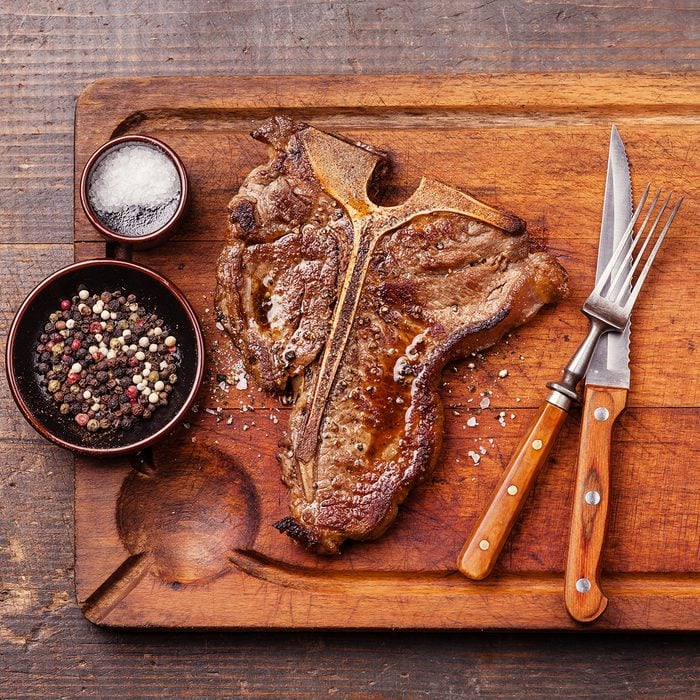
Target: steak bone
<point x="345" y="172"/>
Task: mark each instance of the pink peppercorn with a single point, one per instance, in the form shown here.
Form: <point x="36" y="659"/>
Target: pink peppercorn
<point x="132" y="392"/>
<point x="73" y="377"/>
<point x="95" y="327"/>
<point x="65" y="304"/>
<point x="81" y="419"/>
<point x="75" y="345"/>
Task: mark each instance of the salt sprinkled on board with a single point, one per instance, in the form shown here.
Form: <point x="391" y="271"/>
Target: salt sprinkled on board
<point x="134" y="189"/>
<point x="242" y="384"/>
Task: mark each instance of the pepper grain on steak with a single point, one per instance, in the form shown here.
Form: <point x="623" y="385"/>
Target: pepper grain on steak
<point x="361" y="307"/>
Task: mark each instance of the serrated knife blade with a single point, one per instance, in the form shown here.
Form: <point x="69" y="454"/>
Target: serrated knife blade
<point x="610" y="363"/>
<point x="605" y="397"/>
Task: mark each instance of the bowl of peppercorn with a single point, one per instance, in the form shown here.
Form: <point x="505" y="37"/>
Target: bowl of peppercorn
<point x="105" y="357"/>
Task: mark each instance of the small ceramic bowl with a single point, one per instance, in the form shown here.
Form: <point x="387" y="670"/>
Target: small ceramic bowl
<point x="171" y="215"/>
<point x="157" y="295"/>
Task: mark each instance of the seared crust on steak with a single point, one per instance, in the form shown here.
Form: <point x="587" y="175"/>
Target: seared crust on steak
<point x="278" y="273"/>
<point x="362" y="306"/>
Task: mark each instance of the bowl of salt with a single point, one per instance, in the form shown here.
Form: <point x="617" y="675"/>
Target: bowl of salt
<point x="134" y="191"/>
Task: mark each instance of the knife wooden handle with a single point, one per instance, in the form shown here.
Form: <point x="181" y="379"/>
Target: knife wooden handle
<point x="584" y="596"/>
<point x="491" y="532"/>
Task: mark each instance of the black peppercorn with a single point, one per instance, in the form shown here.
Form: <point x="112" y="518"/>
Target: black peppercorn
<point x="88" y="363"/>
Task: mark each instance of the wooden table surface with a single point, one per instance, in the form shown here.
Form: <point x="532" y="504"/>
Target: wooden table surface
<point x="51" y="51"/>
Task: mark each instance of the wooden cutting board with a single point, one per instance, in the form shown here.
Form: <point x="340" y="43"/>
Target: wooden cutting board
<point x="533" y="144"/>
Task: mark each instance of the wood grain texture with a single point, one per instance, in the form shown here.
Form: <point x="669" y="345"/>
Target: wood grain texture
<point x="50" y="53"/>
<point x="591" y="502"/>
<point x="412" y="568"/>
<point x="493" y="526"/>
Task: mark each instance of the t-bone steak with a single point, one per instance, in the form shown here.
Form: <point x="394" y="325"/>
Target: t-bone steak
<point x="360" y="306"/>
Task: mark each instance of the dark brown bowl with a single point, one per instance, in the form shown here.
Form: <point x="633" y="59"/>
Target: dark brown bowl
<point x="147" y="240"/>
<point x="157" y="295"/>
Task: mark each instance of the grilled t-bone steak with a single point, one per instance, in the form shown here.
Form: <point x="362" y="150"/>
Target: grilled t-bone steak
<point x="361" y="306"/>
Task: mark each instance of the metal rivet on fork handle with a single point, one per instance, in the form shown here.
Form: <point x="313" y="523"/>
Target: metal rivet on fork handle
<point x="583" y="585"/>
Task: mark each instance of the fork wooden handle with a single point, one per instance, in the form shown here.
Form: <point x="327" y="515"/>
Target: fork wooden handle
<point x="584" y="596"/>
<point x="479" y="554"/>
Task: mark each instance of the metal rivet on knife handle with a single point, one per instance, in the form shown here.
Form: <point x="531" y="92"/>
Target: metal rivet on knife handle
<point x="601" y="413"/>
<point x="592" y="498"/>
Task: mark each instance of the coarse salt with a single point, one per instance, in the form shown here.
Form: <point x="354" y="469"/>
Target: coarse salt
<point x="133" y="175"/>
<point x="242" y="384"/>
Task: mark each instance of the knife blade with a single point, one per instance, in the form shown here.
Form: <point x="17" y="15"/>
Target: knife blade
<point x="607" y="382"/>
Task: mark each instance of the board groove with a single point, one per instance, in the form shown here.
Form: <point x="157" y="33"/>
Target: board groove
<point x="534" y="144"/>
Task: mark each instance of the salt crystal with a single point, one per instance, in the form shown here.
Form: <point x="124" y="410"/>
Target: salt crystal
<point x="476" y="457"/>
<point x="242" y="384"/>
<point x="134" y="189"/>
<point x="503" y="373"/>
<point x="472" y="422"/>
<point x="485" y="403"/>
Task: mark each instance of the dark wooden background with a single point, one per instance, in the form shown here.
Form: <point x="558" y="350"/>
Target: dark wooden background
<point x="50" y="52"/>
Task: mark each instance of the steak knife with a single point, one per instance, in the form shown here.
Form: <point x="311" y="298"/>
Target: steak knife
<point x="480" y="552"/>
<point x="606" y="384"/>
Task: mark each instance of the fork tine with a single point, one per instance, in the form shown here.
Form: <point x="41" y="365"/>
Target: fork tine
<point x="614" y="288"/>
<point x="647" y="266"/>
<point x="622" y="246"/>
<point x="615" y="292"/>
